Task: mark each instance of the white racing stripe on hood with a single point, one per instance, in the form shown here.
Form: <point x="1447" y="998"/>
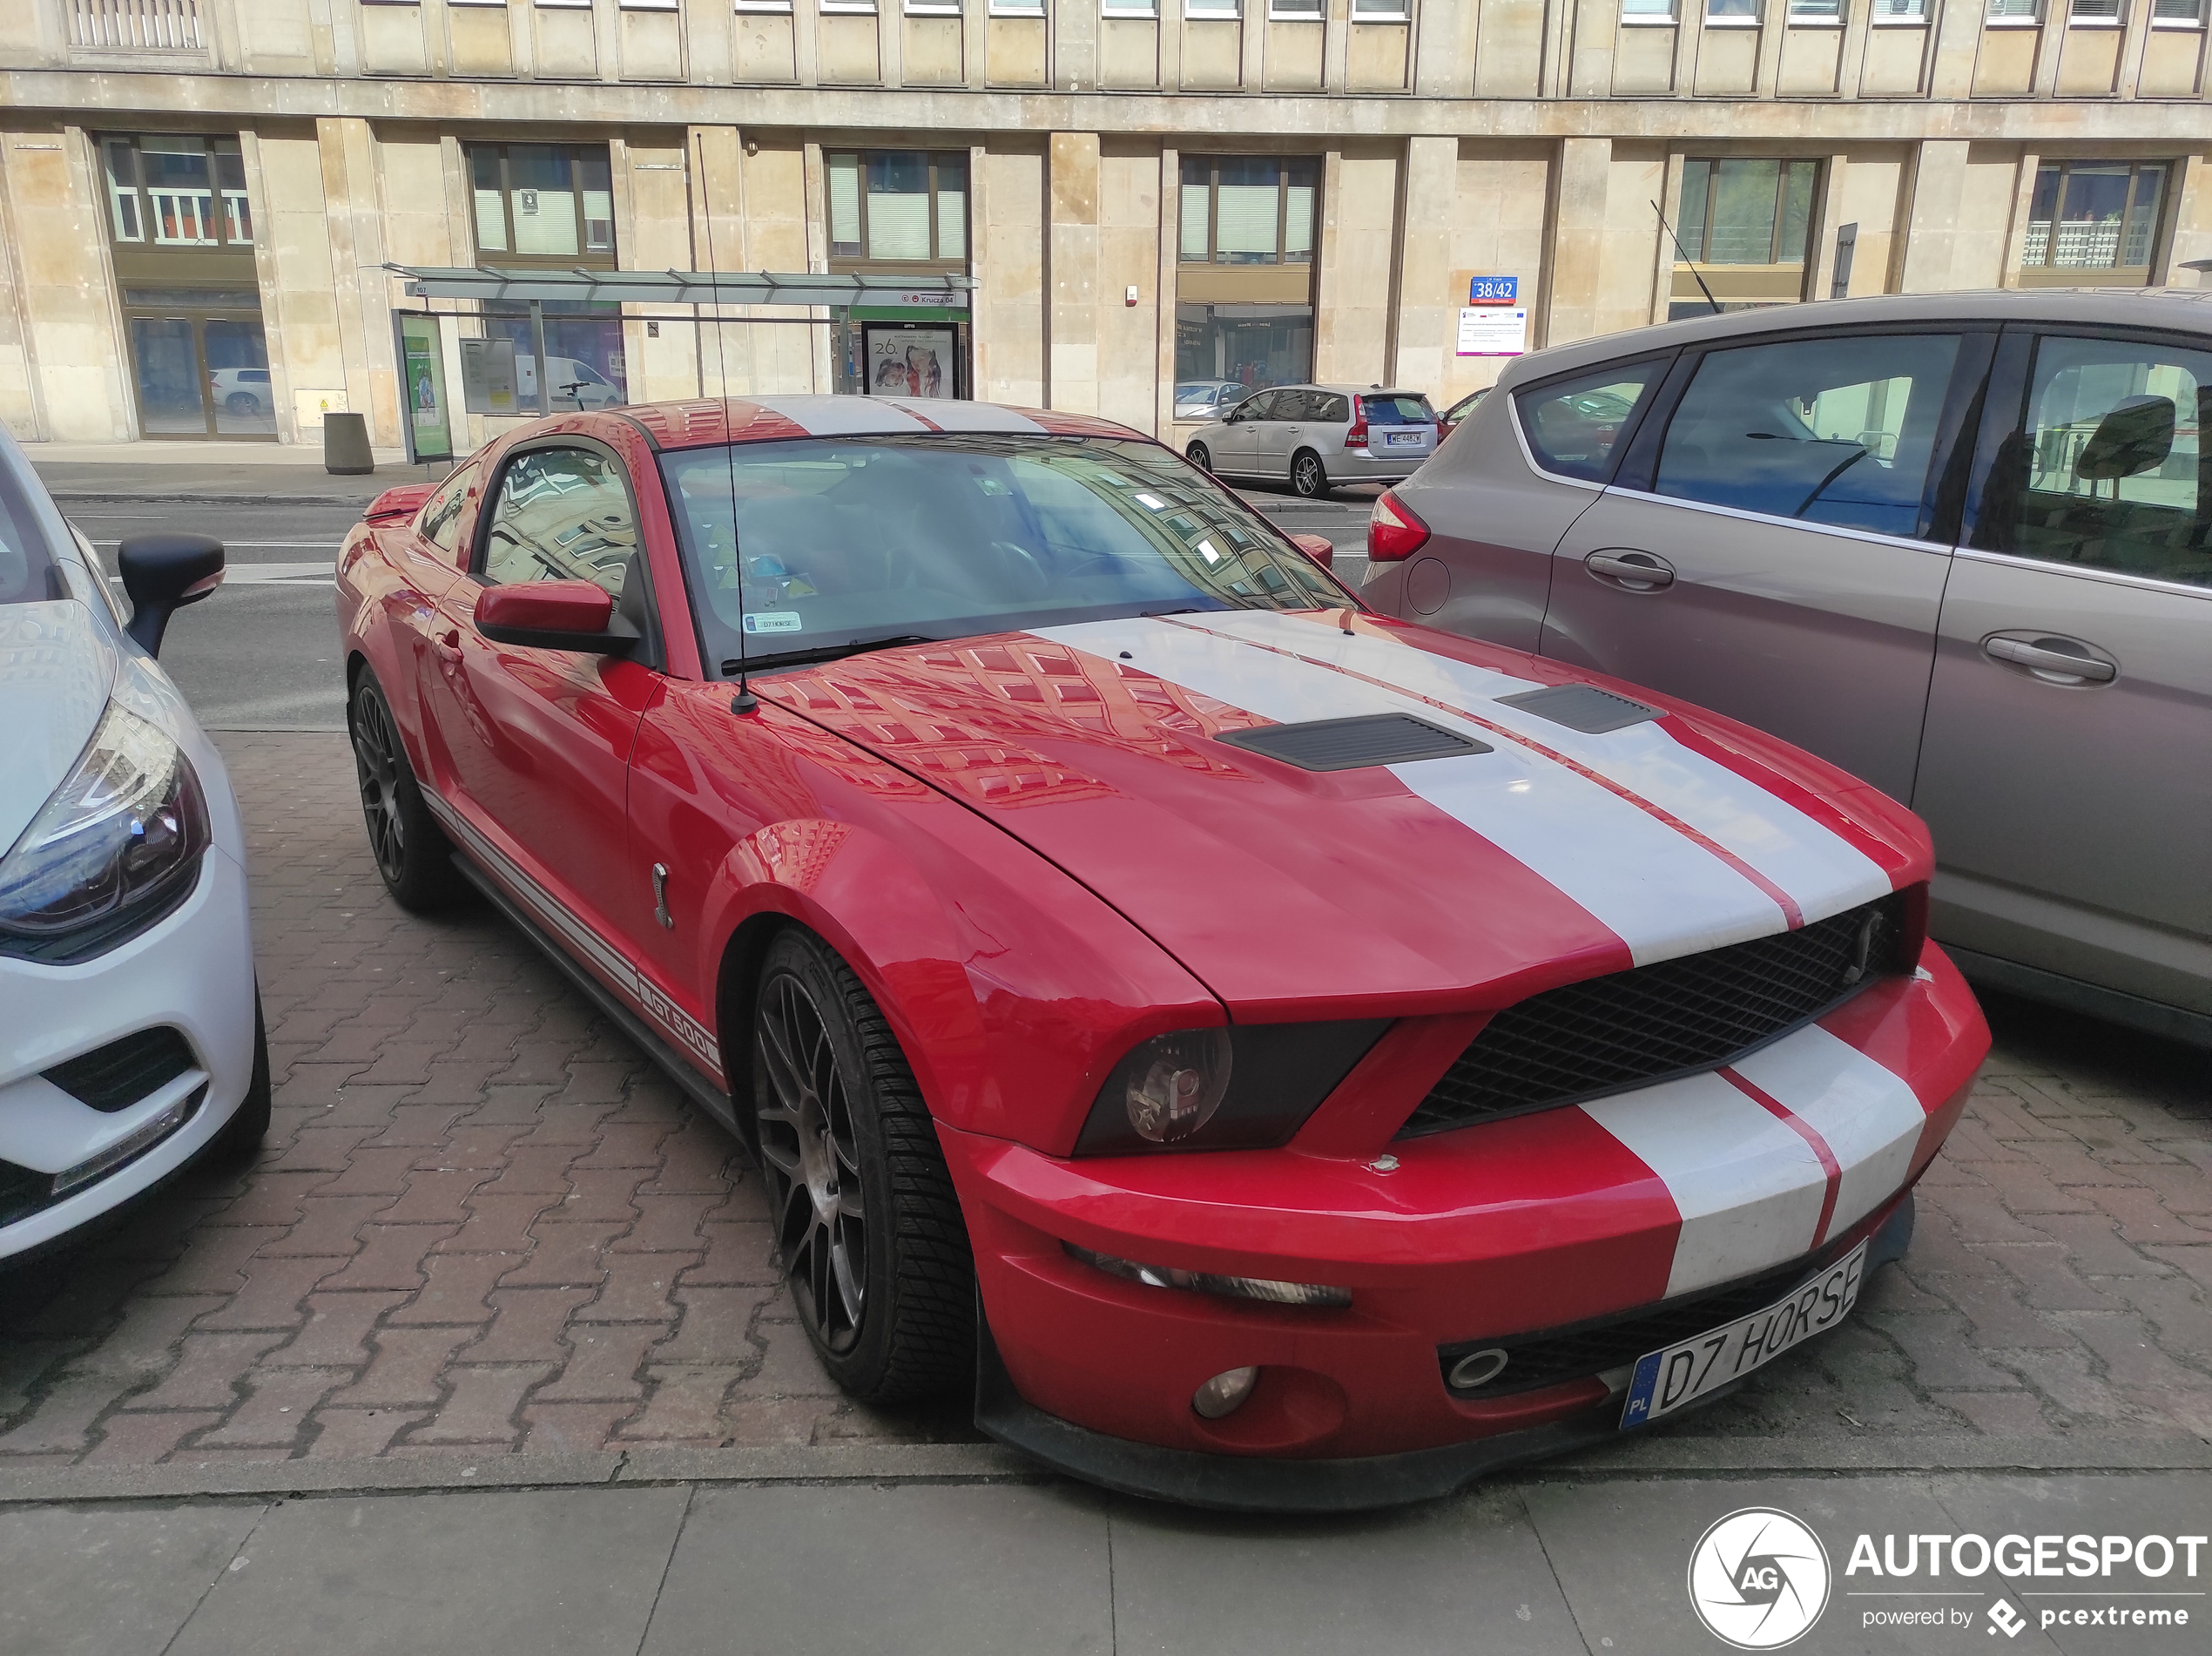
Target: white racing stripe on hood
<point x="1749" y="1188"/>
<point x="1653" y="887"/>
<point x="1823" y="873"/>
<point x="1870" y="1119"/>
<point x="842" y="416"/>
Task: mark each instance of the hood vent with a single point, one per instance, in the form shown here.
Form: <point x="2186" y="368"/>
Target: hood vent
<point x="1582" y="706"/>
<point x="1351" y="744"/>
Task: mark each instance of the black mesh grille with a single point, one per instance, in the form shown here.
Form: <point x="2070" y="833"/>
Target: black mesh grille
<point x="117" y="1076"/>
<point x="1677" y="1018"/>
<point x="1548" y="1357"/>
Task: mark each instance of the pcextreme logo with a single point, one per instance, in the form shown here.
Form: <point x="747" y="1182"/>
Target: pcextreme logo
<point x="1758" y="1579"/>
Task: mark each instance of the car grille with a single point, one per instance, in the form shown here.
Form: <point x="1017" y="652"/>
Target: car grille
<point x="117" y="1076"/>
<point x="1676" y="1018"/>
<point x="1551" y="1356"/>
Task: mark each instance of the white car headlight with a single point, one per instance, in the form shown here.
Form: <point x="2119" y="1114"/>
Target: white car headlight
<point x="115" y="848"/>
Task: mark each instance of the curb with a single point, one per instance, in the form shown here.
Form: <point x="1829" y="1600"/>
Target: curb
<point x="990" y="1464"/>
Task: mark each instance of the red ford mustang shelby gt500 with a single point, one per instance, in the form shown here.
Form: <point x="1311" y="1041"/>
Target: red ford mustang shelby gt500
<point x="1279" y="1056"/>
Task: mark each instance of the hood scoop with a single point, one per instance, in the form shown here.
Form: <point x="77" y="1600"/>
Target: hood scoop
<point x="1351" y="744"/>
<point x="1582" y="706"/>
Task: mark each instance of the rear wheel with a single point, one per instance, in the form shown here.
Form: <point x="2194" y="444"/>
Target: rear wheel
<point x="412" y="852"/>
<point x="1200" y="456"/>
<point x="1308" y="478"/>
<point x="865" y="1221"/>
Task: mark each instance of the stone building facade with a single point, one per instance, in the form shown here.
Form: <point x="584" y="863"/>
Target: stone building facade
<point x="200" y="198"/>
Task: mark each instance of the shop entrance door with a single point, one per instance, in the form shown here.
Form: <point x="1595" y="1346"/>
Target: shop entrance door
<point x="199" y="373"/>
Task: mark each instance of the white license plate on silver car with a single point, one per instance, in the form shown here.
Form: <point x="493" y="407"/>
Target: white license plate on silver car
<point x="1402" y="439"/>
<point x="1673" y="1376"/>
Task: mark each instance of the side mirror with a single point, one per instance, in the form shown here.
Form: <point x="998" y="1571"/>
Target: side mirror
<point x="2134" y="437"/>
<point x="555" y="615"/>
<point x="1319" y="548"/>
<point x="163" y="572"/>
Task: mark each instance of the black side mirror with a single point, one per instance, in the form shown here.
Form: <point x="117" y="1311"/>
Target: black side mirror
<point x="163" y="572"/>
<point x="2136" y="436"/>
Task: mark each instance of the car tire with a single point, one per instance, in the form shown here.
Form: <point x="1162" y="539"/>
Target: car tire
<point x="1199" y="456"/>
<point x="240" y="1139"/>
<point x="243" y="403"/>
<point x="861" y="1206"/>
<point x="411" y="850"/>
<point x="1308" y="478"/>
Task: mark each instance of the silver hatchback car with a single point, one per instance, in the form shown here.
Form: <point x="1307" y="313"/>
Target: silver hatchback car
<point x="1316" y="436"/>
<point x="1959" y="544"/>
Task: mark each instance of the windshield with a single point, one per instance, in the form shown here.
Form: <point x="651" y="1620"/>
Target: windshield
<point x="853" y="539"/>
<point x="28" y="574"/>
<point x="1393" y="408"/>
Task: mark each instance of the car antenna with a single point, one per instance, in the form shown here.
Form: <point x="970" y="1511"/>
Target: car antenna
<point x="1686" y="259"/>
<point x="745" y="701"/>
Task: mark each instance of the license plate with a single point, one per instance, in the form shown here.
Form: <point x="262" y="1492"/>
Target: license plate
<point x="1402" y="439"/>
<point x="1676" y="1375"/>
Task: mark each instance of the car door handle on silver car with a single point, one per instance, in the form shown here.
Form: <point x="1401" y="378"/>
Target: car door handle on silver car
<point x="2054" y="660"/>
<point x="1632" y="571"/>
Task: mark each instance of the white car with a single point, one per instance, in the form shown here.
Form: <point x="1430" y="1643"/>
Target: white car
<point x="575" y="384"/>
<point x="242" y="391"/>
<point x="130" y="1040"/>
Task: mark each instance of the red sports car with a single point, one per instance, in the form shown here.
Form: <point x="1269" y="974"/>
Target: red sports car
<point x="1278" y="1056"/>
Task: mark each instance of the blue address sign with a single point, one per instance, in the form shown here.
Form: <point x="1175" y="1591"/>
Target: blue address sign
<point x="1494" y="290"/>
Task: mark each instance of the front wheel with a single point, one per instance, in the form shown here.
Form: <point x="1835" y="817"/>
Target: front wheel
<point x="865" y="1222"/>
<point x="1200" y="456"/>
<point x="1308" y="480"/>
<point x="412" y="852"/>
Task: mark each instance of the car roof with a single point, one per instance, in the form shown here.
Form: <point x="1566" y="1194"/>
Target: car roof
<point x="697" y="423"/>
<point x="2182" y="309"/>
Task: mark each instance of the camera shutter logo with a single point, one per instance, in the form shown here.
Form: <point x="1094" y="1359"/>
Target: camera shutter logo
<point x="1758" y="1579"/>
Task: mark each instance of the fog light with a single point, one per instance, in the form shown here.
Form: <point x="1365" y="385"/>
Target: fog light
<point x="1225" y="1393"/>
<point x="133" y="1143"/>
<point x="1478" y="1368"/>
<point x="1236" y="1287"/>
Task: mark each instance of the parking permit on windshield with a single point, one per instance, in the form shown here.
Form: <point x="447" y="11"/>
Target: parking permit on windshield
<point x="1676" y="1375"/>
<point x="774" y="621"/>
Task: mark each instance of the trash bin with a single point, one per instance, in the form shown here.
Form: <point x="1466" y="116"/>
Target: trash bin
<point x="345" y="445"/>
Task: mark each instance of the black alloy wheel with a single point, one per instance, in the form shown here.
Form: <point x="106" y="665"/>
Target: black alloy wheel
<point x="412" y="852"/>
<point x="867" y="1225"/>
<point x="1199" y="456"/>
<point x="1308" y="480"/>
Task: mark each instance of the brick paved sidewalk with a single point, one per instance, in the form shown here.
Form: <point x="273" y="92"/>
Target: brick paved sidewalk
<point x="484" y="1223"/>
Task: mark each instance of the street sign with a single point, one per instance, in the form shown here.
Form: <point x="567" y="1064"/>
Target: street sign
<point x="1494" y="290"/>
<point x="1490" y="332"/>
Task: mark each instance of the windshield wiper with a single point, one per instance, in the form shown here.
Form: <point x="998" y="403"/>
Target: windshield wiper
<point x="818" y="653"/>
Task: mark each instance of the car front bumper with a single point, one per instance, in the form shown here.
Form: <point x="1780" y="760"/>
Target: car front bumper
<point x="192" y="972"/>
<point x="1500" y="1232"/>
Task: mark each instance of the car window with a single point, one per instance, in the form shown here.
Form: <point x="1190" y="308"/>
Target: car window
<point x="1465" y="405"/>
<point x="561" y="514"/>
<point x="2105" y="470"/>
<point x="28" y="571"/>
<point x="1395" y="409"/>
<point x="1261" y="406"/>
<point x="1332" y="410"/>
<point x="950" y="537"/>
<point x="439" y="521"/>
<point x="1300" y="405"/>
<point x="1573" y="426"/>
<point x="1835" y="431"/>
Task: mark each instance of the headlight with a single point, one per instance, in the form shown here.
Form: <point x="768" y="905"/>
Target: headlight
<point x="1243" y="1088"/>
<point x="117" y="844"/>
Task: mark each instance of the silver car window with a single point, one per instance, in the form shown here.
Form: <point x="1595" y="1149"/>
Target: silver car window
<point x="2105" y="469"/>
<point x="1574" y="425"/>
<point x="1838" y="431"/>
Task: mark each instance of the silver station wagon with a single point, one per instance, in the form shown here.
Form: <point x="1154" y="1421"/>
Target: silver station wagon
<point x="1316" y="436"/>
<point x="1959" y="544"/>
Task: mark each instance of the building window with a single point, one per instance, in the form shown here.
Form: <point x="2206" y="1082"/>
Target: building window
<point x="1244" y="308"/>
<point x="1648" y="11"/>
<point x="1131" y="8"/>
<point x="2092" y="216"/>
<point x="932" y="8"/>
<point x="1732" y="14"/>
<point x="1247" y="210"/>
<point x="1817" y="13"/>
<point x="2177" y="14"/>
<point x="1899" y="11"/>
<point x="1213" y="9"/>
<point x="2096" y="14"/>
<point x="543" y="201"/>
<point x="1382" y="10"/>
<point x="1294" y="10"/>
<point x="1017" y="8"/>
<point x="1745" y="224"/>
<point x="178" y="191"/>
<point x="2014" y="13"/>
<point x="899" y="207"/>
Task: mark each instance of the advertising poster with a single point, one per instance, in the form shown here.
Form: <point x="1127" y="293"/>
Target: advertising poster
<point x="1494" y="332"/>
<point x="488" y="376"/>
<point x="430" y="427"/>
<point x="910" y="361"/>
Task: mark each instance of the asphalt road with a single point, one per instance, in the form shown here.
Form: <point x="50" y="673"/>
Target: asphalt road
<point x="262" y="653"/>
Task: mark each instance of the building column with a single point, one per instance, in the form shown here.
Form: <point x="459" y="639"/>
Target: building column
<point x="1071" y="273"/>
<point x="1571" y="285"/>
<point x="347" y="149"/>
<point x="1939" y="195"/>
<point x="1427" y="309"/>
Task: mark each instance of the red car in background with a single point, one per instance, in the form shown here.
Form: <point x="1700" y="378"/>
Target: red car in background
<point x="1277" y="1055"/>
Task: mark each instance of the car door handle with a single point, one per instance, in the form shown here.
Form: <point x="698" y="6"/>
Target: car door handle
<point x="448" y="642"/>
<point x="2068" y="660"/>
<point x="1637" y="571"/>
